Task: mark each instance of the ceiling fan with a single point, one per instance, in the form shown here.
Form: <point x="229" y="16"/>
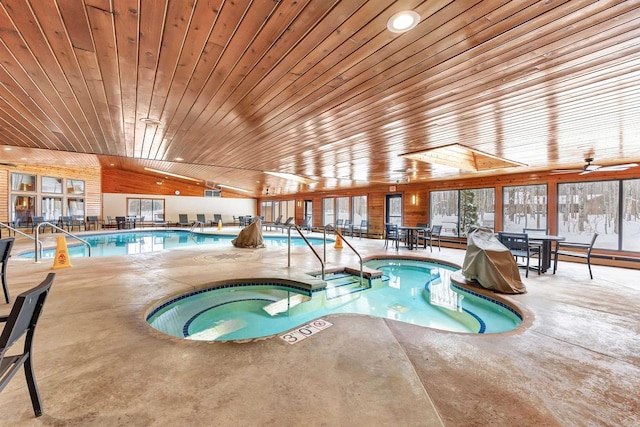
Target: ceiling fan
<point x="589" y="168"/>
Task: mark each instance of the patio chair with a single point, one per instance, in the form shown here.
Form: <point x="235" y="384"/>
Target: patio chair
<point x="576" y="250"/>
<point x="37" y="220"/>
<point x="391" y="234"/>
<point x="362" y="228"/>
<point x="434" y="235"/>
<point x="22" y="320"/>
<point x="92" y="221"/>
<point x="216" y="219"/>
<point x="5" y="254"/>
<point x="201" y="219"/>
<point x="519" y="246"/>
<point x="347" y="227"/>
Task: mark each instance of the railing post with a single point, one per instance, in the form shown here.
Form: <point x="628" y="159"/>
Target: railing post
<point x="289" y="247"/>
<point x="37" y="249"/>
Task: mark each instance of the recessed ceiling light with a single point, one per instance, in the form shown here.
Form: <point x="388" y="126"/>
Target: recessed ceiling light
<point x="178" y="159"/>
<point x="403" y="21"/>
<point x="150" y="121"/>
<point x="7" y="148"/>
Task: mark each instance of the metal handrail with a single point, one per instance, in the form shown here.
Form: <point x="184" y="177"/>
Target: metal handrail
<point x="196" y="224"/>
<point x="15" y="230"/>
<point x="339" y="233"/>
<point x="48" y="224"/>
<point x="308" y="244"/>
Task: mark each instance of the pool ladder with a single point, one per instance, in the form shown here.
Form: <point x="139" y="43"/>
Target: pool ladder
<point x="322" y="261"/>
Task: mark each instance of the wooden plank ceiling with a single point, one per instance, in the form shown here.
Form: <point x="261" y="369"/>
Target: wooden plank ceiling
<point x="223" y="90"/>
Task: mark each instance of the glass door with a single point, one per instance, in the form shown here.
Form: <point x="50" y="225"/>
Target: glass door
<point x="393" y="214"/>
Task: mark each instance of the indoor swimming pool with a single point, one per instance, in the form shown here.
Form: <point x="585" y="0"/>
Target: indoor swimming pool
<point x="138" y="242"/>
<point x="411" y="291"/>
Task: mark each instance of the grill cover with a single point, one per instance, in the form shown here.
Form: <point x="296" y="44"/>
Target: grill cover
<point x="489" y="262"/>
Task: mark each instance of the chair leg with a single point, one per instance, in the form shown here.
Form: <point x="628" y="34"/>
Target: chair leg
<point x="5" y="287"/>
<point x="33" y="387"/>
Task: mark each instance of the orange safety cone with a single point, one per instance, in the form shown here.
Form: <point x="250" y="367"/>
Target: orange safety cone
<point x="61" y="259"/>
<point x="338" y="244"/>
<point x="219" y="224"/>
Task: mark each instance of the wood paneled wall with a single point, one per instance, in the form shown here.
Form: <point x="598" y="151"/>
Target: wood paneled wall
<point x="120" y="181"/>
<point x="419" y="213"/>
<point x="90" y="175"/>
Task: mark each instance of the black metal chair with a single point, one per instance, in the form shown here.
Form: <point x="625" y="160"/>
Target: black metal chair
<point x="576" y="250"/>
<point x="347" y="227"/>
<point x="434" y="236"/>
<point x="362" y="228"/>
<point x="5" y="253"/>
<point x="422" y="235"/>
<point x="92" y="221"/>
<point x="519" y="246"/>
<point x="391" y="234"/>
<point x="22" y="320"/>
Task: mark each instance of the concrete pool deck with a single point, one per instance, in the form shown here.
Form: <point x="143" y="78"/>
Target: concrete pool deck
<point x="97" y="362"/>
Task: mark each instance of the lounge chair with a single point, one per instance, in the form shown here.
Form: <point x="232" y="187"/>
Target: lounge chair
<point x="288" y="223"/>
<point x="217" y="218"/>
<point x="306" y="226"/>
<point x="22" y="320"/>
<point x="276" y="223"/>
<point x="201" y="219"/>
<point x="183" y="221"/>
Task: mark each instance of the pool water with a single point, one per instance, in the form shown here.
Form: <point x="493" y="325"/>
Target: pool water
<point x="410" y="291"/>
<point x="137" y="242"/>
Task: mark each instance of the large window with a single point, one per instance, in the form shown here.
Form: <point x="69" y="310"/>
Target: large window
<point x="328" y="215"/>
<point x="146" y="209"/>
<point x="23" y="182"/>
<point x="23" y="208"/>
<point x="51" y="208"/>
<point x="359" y="209"/>
<point x="457" y="210"/>
<point x="591" y="207"/>
<point x="266" y="210"/>
<point x="444" y="211"/>
<point x="524" y="206"/>
<point x="631" y="215"/>
<point x="51" y="185"/>
<point x="342" y="208"/>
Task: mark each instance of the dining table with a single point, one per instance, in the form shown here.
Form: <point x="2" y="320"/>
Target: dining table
<point x="412" y="234"/>
<point x="546" y="241"/>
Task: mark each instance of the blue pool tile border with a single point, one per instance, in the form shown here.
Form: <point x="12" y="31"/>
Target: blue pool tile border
<point x="167" y="303"/>
<point x="485" y="297"/>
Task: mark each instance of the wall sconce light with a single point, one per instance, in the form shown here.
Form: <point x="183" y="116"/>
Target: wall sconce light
<point x="414" y="199"/>
<point x="299" y="203"/>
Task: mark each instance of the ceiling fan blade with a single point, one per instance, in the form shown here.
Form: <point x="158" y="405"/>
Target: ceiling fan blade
<point x="618" y="167"/>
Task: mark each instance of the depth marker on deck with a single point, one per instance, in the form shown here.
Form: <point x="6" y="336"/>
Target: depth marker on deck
<point x="298" y="334"/>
